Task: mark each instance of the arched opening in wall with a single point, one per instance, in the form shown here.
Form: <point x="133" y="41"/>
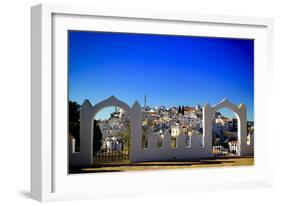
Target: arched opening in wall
<point x="225" y="140"/>
<point x="111" y="136"/>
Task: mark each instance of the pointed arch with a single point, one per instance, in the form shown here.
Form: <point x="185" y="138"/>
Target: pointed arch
<point x="241" y="115"/>
<point x="111" y="102"/>
<point x="87" y="116"/>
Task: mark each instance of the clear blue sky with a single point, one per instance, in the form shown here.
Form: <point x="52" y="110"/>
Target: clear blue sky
<point x="170" y="70"/>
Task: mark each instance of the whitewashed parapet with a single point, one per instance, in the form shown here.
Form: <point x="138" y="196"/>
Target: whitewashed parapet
<point x="167" y="152"/>
<point x="200" y="146"/>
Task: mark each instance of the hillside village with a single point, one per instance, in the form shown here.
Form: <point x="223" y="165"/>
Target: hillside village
<point x="160" y="119"/>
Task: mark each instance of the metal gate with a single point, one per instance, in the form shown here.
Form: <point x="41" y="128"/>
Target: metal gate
<point x="223" y="150"/>
<point x="112" y="151"/>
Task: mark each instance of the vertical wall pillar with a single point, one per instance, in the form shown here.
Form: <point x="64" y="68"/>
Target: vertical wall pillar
<point x="242" y="129"/>
<point x="86" y="129"/>
<point x="136" y="131"/>
<point x="73" y="145"/>
<point x="207" y="128"/>
<point x="85" y="155"/>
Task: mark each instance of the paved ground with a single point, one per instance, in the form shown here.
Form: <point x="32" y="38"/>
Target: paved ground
<point x="179" y="164"/>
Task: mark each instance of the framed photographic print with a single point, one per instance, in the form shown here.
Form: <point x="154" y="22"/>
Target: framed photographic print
<point x="144" y="102"/>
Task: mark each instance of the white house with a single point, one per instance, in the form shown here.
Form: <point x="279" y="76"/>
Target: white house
<point x="175" y="130"/>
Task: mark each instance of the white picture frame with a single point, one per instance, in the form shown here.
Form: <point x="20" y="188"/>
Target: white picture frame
<point x="49" y="179"/>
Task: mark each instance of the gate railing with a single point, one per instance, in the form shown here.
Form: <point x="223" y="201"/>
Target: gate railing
<point x="112" y="152"/>
<point x="222" y="150"/>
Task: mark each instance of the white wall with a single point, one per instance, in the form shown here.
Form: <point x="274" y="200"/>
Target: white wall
<point x="14" y="86"/>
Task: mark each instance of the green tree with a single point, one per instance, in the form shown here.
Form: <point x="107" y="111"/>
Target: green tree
<point x="73" y="122"/>
<point x="74" y="127"/>
<point x="182" y="110"/>
<point x="125" y="135"/>
<point x="179" y="110"/>
<point x="97" y="141"/>
<point x="74" y="111"/>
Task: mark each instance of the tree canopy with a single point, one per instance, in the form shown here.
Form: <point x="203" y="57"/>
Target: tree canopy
<point x="179" y="110"/>
<point x="74" y="127"/>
